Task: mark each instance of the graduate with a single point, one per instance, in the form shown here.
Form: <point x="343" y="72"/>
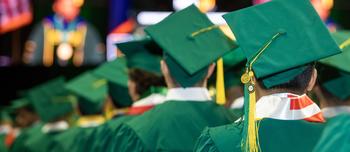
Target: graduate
<point x="26" y="119"/>
<point x="146" y="86"/>
<point x="91" y="93"/>
<point x="333" y="89"/>
<point x="281" y="40"/>
<point x="234" y="67"/>
<point x="54" y="105"/>
<point x="64" y="39"/>
<point x="335" y="136"/>
<point x="189" y="50"/>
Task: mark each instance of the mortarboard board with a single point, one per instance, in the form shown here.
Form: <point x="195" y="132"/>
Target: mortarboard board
<point x="335" y="73"/>
<point x="91" y="91"/>
<point x="144" y="54"/>
<point x="19" y="103"/>
<point x="278" y="38"/>
<point x="115" y="72"/>
<point x="191" y="46"/>
<point x="50" y="100"/>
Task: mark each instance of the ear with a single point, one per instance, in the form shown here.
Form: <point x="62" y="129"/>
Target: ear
<point x="167" y="77"/>
<point x="210" y="70"/>
<point x="312" y="80"/>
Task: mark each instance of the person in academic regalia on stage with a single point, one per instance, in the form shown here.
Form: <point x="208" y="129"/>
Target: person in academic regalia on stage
<point x="64" y="39"/>
<point x="333" y="89"/>
<point x="54" y="106"/>
<point x="146" y="86"/>
<point x="189" y="51"/>
<point x="281" y="40"/>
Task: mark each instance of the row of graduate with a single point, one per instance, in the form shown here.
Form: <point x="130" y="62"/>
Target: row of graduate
<point x="156" y="98"/>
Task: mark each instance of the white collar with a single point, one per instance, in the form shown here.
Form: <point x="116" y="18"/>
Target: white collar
<point x="286" y="106"/>
<point x="4" y="129"/>
<point x="188" y="94"/>
<point x="55" y="126"/>
<point x="153" y="99"/>
<point x="329" y="112"/>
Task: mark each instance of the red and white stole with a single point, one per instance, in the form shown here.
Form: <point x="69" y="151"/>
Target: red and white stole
<point x="287" y="106"/>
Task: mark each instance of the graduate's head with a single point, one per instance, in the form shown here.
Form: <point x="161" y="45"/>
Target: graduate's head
<point x="24" y="113"/>
<point x="51" y="100"/>
<point x="116" y="74"/>
<point x="300" y="84"/>
<point x="143" y="61"/>
<point x="190" y="48"/>
<point x="91" y="92"/>
<point x="68" y="9"/>
<point x="141" y="81"/>
<point x="334" y="81"/>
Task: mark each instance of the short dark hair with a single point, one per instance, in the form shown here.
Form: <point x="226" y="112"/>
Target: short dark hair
<point x="145" y="80"/>
<point x="297" y="85"/>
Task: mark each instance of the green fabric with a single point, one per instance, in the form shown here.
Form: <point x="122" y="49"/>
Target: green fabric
<point x="40" y="142"/>
<point x="72" y="140"/>
<point x="335" y="136"/>
<point x="233" y="67"/>
<point x="91" y="91"/>
<point x="339" y="87"/>
<point x="304" y="36"/>
<point x="190" y="52"/>
<point x="5" y="115"/>
<point x="19" y="103"/>
<point x="116" y="74"/>
<point x="3" y="147"/>
<point x="50" y="100"/>
<point x="143" y="54"/>
<point x="335" y="71"/>
<point x="103" y="137"/>
<point x="19" y="143"/>
<point x="165" y="129"/>
<point x="274" y="136"/>
<point x="340" y="61"/>
<point x="283" y="77"/>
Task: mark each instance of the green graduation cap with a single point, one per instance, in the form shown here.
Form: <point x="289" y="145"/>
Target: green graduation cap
<point x="284" y="35"/>
<point x="335" y="71"/>
<point x="233" y="66"/>
<point x="115" y="72"/>
<point x="91" y="91"/>
<point x="19" y="103"/>
<point x="5" y="115"/>
<point x="50" y="100"/>
<point x="191" y="42"/>
<point x="144" y="54"/>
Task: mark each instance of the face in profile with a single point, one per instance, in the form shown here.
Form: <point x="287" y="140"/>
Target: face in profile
<point x="68" y="9"/>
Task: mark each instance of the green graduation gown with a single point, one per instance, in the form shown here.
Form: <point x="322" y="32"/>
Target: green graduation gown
<point x="103" y="136"/>
<point x="19" y="143"/>
<point x="3" y="147"/>
<point x="171" y="126"/>
<point x="336" y="135"/>
<point x="40" y="142"/>
<point x="274" y="136"/>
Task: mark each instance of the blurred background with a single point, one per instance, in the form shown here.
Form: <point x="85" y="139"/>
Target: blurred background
<point x="42" y="39"/>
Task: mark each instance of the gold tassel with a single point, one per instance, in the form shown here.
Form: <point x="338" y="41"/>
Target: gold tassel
<point x="220" y="84"/>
